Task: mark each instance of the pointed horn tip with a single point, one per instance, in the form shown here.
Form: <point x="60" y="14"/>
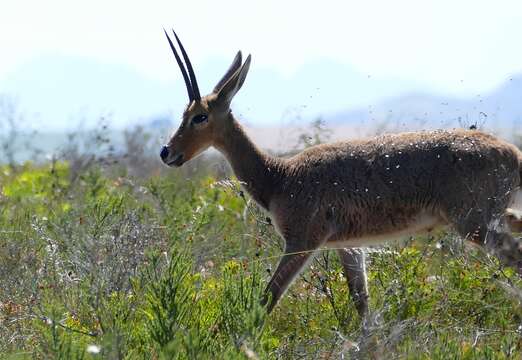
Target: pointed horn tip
<point x="190" y="70"/>
<point x="168" y="38"/>
<point x="192" y="94"/>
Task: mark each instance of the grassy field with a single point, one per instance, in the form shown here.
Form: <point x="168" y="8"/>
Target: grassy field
<point x="99" y="259"/>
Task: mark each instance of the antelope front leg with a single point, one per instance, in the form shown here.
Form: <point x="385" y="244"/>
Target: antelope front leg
<point x="355" y="270"/>
<point x="289" y="267"/>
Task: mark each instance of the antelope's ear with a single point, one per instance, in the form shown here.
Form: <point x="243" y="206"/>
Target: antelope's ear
<point x="236" y="63"/>
<point x="233" y="84"/>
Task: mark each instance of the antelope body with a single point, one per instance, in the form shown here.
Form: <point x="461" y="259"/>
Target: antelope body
<point x="353" y="194"/>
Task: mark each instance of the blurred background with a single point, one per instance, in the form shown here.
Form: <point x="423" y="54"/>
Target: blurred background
<point x="117" y="256"/>
<point x="357" y="67"/>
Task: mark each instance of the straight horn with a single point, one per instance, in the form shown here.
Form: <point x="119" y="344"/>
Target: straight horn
<point x="190" y="90"/>
<point x="189" y="68"/>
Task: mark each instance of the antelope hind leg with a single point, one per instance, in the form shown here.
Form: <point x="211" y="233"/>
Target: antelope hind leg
<point x="354" y="266"/>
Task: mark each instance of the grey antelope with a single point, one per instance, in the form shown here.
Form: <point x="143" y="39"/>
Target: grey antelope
<point x="353" y="194"/>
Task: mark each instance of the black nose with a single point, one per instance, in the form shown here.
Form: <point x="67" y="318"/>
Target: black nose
<point x="164" y="153"/>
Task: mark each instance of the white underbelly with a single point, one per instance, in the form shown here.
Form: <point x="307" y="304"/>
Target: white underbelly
<point x="421" y="224"/>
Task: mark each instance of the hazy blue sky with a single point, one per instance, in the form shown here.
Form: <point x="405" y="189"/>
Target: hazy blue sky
<point x="67" y="59"/>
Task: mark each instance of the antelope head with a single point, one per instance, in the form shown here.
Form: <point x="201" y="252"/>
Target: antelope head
<point x="205" y="119"/>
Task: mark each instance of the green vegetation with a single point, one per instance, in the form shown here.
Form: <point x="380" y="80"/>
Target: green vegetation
<point x="95" y="263"/>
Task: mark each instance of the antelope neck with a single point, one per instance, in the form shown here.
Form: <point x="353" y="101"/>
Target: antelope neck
<point x="259" y="172"/>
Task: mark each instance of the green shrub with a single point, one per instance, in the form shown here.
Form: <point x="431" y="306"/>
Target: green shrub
<point x="104" y="266"/>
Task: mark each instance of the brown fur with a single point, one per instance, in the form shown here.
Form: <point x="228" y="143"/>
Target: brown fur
<point x="358" y="193"/>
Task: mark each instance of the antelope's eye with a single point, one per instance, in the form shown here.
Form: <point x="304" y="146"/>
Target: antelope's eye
<point x="198" y="119"/>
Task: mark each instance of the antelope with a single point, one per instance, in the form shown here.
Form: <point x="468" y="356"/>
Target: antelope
<point x="353" y="194"/>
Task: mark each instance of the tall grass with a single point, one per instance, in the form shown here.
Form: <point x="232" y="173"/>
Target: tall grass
<point x="101" y="260"/>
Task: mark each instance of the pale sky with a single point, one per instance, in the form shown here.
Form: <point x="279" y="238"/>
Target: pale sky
<point x="447" y="47"/>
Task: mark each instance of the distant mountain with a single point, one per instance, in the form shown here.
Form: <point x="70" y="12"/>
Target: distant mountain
<point x="62" y="91"/>
<point x="499" y="109"/>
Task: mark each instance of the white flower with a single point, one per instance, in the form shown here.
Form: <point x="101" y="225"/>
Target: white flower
<point x="93" y="349"/>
